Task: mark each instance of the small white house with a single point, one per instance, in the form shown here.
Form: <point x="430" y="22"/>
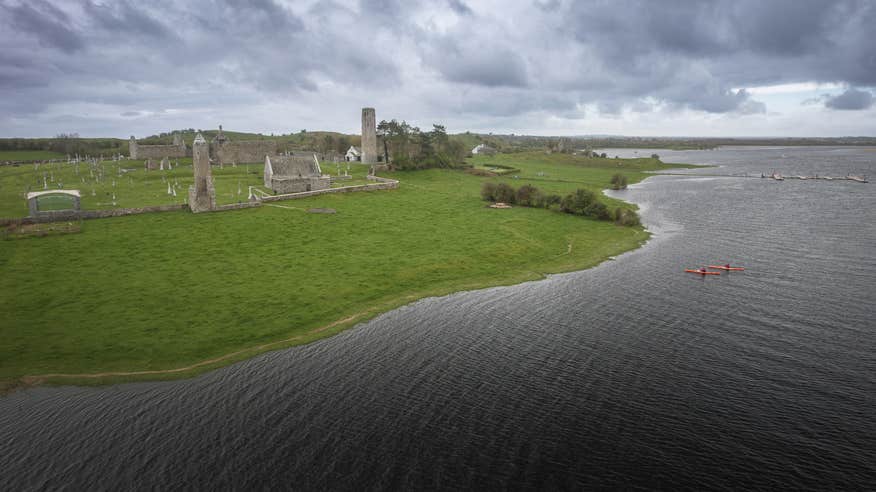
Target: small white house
<point x="483" y="149"/>
<point x="353" y="154"/>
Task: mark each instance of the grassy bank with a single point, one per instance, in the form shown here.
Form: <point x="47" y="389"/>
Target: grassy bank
<point x="170" y="291"/>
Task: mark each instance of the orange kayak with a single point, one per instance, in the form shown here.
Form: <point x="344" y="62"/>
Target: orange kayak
<point x="702" y="273"/>
<point x="729" y="269"/>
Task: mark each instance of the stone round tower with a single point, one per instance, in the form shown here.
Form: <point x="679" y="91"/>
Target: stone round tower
<point x="369" y="136"/>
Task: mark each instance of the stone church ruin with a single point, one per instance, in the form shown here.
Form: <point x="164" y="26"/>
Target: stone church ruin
<point x="226" y="151"/>
<point x="177" y="149"/>
<point x="295" y="173"/>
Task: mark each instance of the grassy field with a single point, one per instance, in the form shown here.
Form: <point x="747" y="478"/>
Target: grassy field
<point x="29" y="155"/>
<point x="560" y="173"/>
<point x="164" y="291"/>
<point x="127" y="184"/>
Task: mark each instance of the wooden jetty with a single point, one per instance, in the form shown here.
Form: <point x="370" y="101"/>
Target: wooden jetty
<point x="779" y="177"/>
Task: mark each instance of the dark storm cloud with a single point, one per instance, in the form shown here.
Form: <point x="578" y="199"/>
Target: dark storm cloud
<point x="48" y="25"/>
<point x="488" y="66"/>
<point x="123" y="17"/>
<point x="166" y="50"/>
<point x="733" y="43"/>
<point x="500" y="59"/>
<point x="852" y="99"/>
<point x="459" y="7"/>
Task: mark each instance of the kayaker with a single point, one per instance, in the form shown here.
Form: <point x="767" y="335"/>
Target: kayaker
<point x="727" y="265"/>
<point x="703" y="269"/>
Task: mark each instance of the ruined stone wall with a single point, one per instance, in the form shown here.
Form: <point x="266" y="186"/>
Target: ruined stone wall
<point x="156" y="151"/>
<point x="298" y="185"/>
<point x="68" y="215"/>
<point x="244" y="151"/>
<point x="381" y="184"/>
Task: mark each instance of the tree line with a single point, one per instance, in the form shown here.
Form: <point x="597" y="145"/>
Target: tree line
<point x="64" y="143"/>
<point x="580" y="202"/>
<point x="408" y="147"/>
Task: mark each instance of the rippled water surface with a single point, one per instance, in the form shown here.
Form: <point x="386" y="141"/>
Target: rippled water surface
<point x="631" y="374"/>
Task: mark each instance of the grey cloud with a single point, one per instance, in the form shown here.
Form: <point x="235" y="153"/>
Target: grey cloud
<point x="48" y="24"/>
<point x="122" y="17"/>
<point x="722" y="101"/>
<point x="492" y="68"/>
<point x="457" y="57"/>
<point x="459" y="7"/>
<point x="547" y="5"/>
<point x="738" y="43"/>
<point x="852" y="99"/>
<point x="223" y="46"/>
<point x="610" y="107"/>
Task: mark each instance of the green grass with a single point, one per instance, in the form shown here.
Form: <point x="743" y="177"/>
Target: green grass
<point x="29" y="155"/>
<point x="162" y="291"/>
<point x="562" y="173"/>
<point x="496" y="168"/>
<point x="135" y="186"/>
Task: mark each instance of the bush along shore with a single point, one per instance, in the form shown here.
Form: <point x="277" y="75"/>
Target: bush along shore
<point x="579" y="202"/>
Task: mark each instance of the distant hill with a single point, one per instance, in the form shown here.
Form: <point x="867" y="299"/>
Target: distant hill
<point x="326" y="141"/>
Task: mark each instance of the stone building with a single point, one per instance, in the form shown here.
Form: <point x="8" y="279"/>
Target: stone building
<point x="137" y="151"/>
<point x="483" y="149"/>
<point x="353" y="154"/>
<point x="294" y="173"/>
<point x="227" y="151"/>
<point x="202" y="195"/>
<point x="369" y="136"/>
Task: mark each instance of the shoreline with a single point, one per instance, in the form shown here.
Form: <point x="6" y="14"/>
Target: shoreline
<point x="8" y="387"/>
<point x="325" y="330"/>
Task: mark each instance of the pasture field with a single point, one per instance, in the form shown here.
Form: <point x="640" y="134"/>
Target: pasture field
<point x="29" y="155"/>
<point x="165" y="291"/>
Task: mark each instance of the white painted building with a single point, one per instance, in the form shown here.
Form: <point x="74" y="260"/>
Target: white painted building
<point x="353" y="154"/>
<point x="483" y="149"/>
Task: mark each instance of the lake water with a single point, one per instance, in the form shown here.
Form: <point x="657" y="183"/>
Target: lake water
<point x="632" y="374"/>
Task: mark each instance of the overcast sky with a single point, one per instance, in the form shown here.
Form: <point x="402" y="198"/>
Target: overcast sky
<point x="547" y="67"/>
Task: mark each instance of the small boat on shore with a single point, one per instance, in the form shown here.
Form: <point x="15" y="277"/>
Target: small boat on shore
<point x="689" y="270"/>
<point x="727" y="268"/>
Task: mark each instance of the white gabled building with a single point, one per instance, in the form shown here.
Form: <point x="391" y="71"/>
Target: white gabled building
<point x="483" y="149"/>
<point x="353" y="154"/>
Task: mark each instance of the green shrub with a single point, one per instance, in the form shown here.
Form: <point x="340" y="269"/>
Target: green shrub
<point x="504" y="193"/>
<point x="577" y="202"/>
<point x="488" y="191"/>
<point x="525" y="195"/>
<point x="597" y="210"/>
<point x="618" y="182"/>
<point x="626" y="217"/>
<point x="580" y="202"/>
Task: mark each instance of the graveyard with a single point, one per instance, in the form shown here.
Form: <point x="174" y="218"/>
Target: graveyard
<point x="171" y="294"/>
<point x="108" y="184"/>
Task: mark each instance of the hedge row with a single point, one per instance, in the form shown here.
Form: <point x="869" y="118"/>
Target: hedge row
<point x="580" y="202"/>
